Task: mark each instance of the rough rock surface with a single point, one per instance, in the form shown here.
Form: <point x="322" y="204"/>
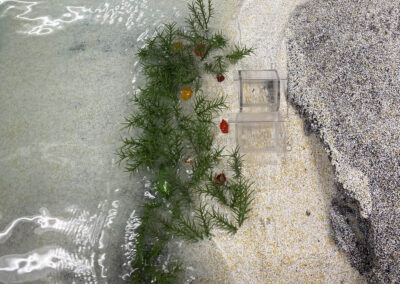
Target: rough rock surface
<point x="344" y="78"/>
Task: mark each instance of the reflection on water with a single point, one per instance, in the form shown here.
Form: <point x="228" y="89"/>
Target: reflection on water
<point x="40" y="25"/>
<point x="38" y="264"/>
<point x="88" y="236"/>
<point x="130" y="13"/>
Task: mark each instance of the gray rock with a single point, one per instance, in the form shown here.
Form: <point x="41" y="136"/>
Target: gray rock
<point x="344" y="78"/>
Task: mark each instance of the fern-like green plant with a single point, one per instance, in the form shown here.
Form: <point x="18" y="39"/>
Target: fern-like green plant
<point x="173" y="141"/>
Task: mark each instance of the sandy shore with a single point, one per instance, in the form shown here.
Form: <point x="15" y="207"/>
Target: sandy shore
<point x="288" y="236"/>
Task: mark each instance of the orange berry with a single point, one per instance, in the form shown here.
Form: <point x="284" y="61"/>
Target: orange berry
<point x="186" y="93"/>
<point x="177" y="46"/>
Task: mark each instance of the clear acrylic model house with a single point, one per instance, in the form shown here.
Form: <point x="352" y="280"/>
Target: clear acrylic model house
<point x="259" y="127"/>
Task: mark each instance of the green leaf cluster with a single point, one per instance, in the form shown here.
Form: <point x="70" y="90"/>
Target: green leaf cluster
<point x="169" y="131"/>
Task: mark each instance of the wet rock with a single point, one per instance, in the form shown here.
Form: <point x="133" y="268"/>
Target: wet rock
<point x="344" y="78"/>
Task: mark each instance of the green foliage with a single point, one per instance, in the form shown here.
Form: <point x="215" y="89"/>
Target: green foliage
<point x="238" y="53"/>
<point x="241" y="199"/>
<point x="168" y="130"/>
<point x="205" y="108"/>
<point x="149" y="249"/>
<point x="236" y="163"/>
<point x="218" y="66"/>
<point x="223" y="222"/>
<point x="205" y="219"/>
<point x="185" y="228"/>
<point x="214" y="190"/>
<point x="200" y="15"/>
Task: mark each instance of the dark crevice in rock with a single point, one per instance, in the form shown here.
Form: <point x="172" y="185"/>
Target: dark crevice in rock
<point x="348" y="223"/>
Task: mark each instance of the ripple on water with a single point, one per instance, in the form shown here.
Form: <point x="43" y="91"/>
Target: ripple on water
<point x="83" y="241"/>
<point x="44" y="17"/>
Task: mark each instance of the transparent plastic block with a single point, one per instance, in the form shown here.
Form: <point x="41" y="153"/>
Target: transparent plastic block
<point x="259" y="90"/>
<point x="259" y="126"/>
<point x="260" y="132"/>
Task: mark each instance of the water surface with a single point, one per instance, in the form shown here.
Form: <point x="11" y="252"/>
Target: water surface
<point x="67" y="71"/>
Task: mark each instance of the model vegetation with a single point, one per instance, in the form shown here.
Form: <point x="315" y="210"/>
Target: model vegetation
<point x="173" y="132"/>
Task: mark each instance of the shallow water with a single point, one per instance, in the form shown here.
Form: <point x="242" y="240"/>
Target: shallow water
<point x="67" y="70"/>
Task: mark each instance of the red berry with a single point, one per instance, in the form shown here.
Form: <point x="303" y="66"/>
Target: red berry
<point x="221" y="179"/>
<point x="220" y="78"/>
<point x="224" y="126"/>
<point x="200" y="49"/>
